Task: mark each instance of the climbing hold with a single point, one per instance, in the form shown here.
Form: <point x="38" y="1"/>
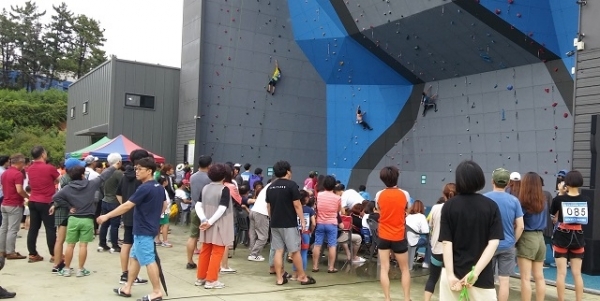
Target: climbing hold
<point x="495" y="86"/>
<point x="518" y="15"/>
<point x="556" y="127"/>
<point x="554" y="104"/>
<point x="566" y="115"/>
<point x="547" y="90"/>
<point x="511" y="1"/>
<point x="550" y="150"/>
<point x="497" y="11"/>
<point x="509" y="87"/>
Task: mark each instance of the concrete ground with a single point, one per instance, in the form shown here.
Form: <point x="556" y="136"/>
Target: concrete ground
<point x="33" y="281"/>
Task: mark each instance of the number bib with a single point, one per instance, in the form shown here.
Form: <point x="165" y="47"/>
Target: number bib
<point x="307" y="220"/>
<point x="575" y="213"/>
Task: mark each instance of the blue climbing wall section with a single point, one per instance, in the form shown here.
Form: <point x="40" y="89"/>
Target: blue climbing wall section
<point x="552" y="23"/>
<point x="354" y="77"/>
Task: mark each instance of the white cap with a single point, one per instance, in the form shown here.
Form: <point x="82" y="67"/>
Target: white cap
<point x="89" y="159"/>
<point x="113" y="158"/>
<point x="237" y="165"/>
<point x="515" y="176"/>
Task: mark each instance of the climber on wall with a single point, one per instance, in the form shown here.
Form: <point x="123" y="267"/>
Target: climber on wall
<point x="360" y="119"/>
<point x="274" y="79"/>
<point x="428" y="101"/>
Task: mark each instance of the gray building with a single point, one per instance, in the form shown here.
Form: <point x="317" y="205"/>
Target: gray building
<point x="137" y="100"/>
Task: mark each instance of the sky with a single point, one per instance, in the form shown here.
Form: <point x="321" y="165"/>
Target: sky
<point x="147" y="31"/>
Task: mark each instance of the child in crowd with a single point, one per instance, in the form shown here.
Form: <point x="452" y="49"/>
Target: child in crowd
<point x="164" y="218"/>
<point x="79" y="195"/>
<point x="245" y="192"/>
<point x="25" y="220"/>
<point x="309" y="217"/>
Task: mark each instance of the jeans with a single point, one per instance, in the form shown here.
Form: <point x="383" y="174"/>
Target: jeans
<point x="8" y="231"/>
<point x="304" y="251"/>
<point x="38" y="214"/>
<point x="412" y="250"/>
<point x="114" y="224"/>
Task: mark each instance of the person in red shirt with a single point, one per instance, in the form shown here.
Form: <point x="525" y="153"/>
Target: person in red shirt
<point x="42" y="180"/>
<point x="12" y="207"/>
<point x="392" y="203"/>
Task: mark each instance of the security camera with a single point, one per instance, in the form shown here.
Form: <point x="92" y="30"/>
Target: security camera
<point x="582" y="2"/>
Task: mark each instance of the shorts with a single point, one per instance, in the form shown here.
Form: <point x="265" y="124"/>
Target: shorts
<point x="128" y="235"/>
<point x="285" y="238"/>
<point x="272" y="82"/>
<point x="164" y="220"/>
<point x="194" y="225"/>
<point x="326" y="230"/>
<point x="397" y="247"/>
<point x="80" y="229"/>
<point x="143" y="249"/>
<point x="532" y="246"/>
<point x="568" y="244"/>
<point x="504" y="261"/>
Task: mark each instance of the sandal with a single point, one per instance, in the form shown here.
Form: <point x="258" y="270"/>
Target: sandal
<point x="147" y="298"/>
<point x="332" y="271"/>
<point x="315" y="270"/>
<point x="309" y="280"/>
<point x="285" y="280"/>
<point x="286" y="275"/>
<point x="119" y="292"/>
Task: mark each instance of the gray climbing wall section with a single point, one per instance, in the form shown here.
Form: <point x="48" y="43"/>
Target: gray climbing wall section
<point x="238" y="120"/>
<point x="513" y="118"/>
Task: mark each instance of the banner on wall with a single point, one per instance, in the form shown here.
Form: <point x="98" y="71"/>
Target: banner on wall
<point x="191" y="150"/>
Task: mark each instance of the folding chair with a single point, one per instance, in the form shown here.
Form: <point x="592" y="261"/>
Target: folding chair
<point x="412" y="250"/>
<point x="374" y="227"/>
<point x="347" y="228"/>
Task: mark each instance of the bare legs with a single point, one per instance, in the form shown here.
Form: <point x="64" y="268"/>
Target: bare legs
<point x="61" y="234"/>
<point x="330" y="257"/>
<point x="384" y="257"/>
<point x="191" y="246"/>
<point x="153" y="274"/>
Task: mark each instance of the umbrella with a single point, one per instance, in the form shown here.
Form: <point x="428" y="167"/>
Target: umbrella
<point x="160" y="272"/>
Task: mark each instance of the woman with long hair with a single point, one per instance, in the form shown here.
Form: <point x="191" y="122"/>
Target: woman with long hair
<point x="568" y="240"/>
<point x="237" y="202"/>
<point x="531" y="249"/>
<point x="437" y="260"/>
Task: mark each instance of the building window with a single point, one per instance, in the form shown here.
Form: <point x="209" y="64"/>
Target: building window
<point x="72" y="114"/>
<point x="85" y="108"/>
<point x="139" y="101"/>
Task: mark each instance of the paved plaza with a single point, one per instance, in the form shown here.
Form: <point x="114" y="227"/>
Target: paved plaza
<point x="33" y="281"/>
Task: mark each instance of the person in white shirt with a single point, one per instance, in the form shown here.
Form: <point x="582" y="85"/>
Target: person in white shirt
<point x="90" y="167"/>
<point x="259" y="226"/>
<point x="416" y="224"/>
<point x="350" y="197"/>
<point x="183" y="195"/>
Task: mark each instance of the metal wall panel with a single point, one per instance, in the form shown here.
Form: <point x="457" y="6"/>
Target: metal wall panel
<point x="587" y="99"/>
<point x="153" y="129"/>
<point x="94" y="88"/>
<point x="190" y="76"/>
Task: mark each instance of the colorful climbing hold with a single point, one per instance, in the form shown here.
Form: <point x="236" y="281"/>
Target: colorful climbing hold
<point x="509" y="87"/>
<point x="497" y="11"/>
<point x="565" y="115"/>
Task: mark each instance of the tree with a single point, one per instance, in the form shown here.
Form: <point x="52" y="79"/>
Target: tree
<point x="7" y="47"/>
<point x="87" y="40"/>
<point x="31" y="54"/>
<point x="58" y="42"/>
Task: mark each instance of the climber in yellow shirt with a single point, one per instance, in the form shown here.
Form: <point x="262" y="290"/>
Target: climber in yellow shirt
<point x="273" y="81"/>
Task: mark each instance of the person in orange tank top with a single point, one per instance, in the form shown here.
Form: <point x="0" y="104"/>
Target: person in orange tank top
<point x="392" y="203"/>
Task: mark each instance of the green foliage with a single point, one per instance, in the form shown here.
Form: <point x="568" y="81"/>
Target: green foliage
<point x="33" y="118"/>
<point x="23" y="140"/>
<point x="68" y="45"/>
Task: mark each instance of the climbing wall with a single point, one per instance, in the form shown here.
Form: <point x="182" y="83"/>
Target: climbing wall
<point x="238" y="120"/>
<point x="512" y="118"/>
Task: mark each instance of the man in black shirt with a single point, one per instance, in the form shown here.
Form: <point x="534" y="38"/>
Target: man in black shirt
<point x="285" y="209"/>
<point x="470" y="230"/>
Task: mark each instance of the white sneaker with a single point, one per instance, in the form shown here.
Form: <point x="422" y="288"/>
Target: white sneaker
<point x="359" y="260"/>
<point x="256" y="258"/>
<point x="200" y="282"/>
<point x="215" y="284"/>
<point x="228" y="271"/>
<point x="425" y="265"/>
